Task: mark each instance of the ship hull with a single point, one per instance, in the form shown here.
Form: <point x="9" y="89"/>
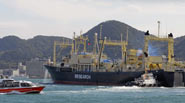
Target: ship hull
<point x="164" y="78"/>
<point x="91" y="78"/>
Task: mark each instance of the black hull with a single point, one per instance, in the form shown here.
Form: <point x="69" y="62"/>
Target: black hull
<point x="61" y="76"/>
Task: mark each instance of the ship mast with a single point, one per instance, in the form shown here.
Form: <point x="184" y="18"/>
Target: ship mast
<point x="95" y="43"/>
<point x="124" y="48"/>
<point x="54" y="53"/>
<point x="100" y="32"/>
<point x="100" y="52"/>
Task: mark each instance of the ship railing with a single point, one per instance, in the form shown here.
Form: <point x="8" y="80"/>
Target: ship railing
<point x="114" y="41"/>
<point x="82" y="67"/>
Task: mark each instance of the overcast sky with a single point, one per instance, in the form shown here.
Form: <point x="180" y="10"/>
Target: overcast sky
<point x="27" y="18"/>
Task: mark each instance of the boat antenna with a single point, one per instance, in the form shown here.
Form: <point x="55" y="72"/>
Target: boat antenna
<point x="74" y="34"/>
<point x="127" y="34"/>
<point x="80" y="32"/>
<point x="74" y="42"/>
<point x="158" y="27"/>
<point x="97" y="44"/>
<point x="101" y="31"/>
<point x="166" y="30"/>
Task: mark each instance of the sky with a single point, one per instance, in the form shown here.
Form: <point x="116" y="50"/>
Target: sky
<point x="28" y="18"/>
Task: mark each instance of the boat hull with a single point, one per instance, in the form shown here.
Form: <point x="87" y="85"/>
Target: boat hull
<point x="26" y="90"/>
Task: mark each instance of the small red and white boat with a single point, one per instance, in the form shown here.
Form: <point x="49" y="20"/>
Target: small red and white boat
<point x="24" y="87"/>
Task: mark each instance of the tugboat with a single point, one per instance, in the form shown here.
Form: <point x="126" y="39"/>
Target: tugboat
<point x="9" y="86"/>
<point x="146" y="80"/>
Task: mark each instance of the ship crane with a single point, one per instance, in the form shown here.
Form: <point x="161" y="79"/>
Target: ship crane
<point x="80" y="40"/>
<point x="76" y="42"/>
<point x="123" y="44"/>
<point x="62" y="45"/>
<point x="168" y="39"/>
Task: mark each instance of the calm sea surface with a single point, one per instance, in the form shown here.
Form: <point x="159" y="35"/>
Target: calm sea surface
<point x="98" y="94"/>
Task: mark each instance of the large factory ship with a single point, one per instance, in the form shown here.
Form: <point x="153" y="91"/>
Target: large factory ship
<point x="95" y="68"/>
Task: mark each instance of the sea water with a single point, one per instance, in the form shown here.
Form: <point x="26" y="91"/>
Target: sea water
<point x="98" y="94"/>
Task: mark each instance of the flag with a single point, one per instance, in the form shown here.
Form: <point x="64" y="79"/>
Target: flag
<point x="89" y="42"/>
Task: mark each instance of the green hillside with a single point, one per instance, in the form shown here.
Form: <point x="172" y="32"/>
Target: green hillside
<point x="14" y="49"/>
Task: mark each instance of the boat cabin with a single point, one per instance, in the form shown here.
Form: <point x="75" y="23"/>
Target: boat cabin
<point x="12" y="83"/>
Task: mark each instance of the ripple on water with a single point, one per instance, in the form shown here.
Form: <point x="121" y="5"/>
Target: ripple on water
<point x="100" y="94"/>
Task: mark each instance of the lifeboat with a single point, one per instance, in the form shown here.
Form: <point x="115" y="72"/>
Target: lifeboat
<point x="24" y="87"/>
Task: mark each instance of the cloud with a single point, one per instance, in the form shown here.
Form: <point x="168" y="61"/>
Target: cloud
<point x="63" y="17"/>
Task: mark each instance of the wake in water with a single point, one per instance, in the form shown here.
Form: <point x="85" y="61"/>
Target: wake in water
<point x="46" y="77"/>
<point x="96" y="89"/>
<point x="2" y="93"/>
<point x="15" y="93"/>
<point x="76" y="89"/>
<point x="12" y="93"/>
<point x="120" y="89"/>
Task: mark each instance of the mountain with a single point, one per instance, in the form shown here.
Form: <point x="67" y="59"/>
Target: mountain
<point x="179" y="47"/>
<point x="14" y="49"/>
<point x="113" y="29"/>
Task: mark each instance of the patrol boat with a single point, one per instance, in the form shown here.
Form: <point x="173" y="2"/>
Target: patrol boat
<point x="11" y="86"/>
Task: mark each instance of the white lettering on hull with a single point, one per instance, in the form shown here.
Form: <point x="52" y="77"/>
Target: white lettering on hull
<point x="82" y="76"/>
